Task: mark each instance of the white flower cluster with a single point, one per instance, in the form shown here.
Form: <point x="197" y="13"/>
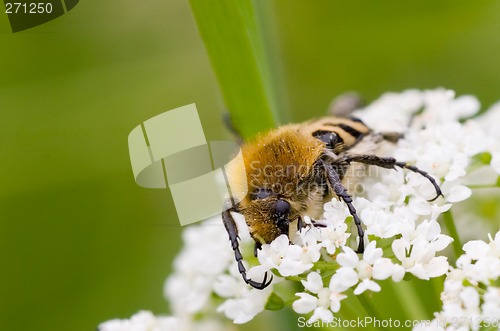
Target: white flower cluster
<point x="142" y="321"/>
<point x="146" y="321"/>
<point x="403" y="235"/>
<point x="395" y="203"/>
<point x="471" y="295"/>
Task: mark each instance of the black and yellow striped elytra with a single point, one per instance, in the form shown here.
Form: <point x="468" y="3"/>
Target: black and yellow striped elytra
<point x="292" y="171"/>
<point x="338" y="134"/>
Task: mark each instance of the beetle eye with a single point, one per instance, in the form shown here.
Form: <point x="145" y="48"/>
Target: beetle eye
<point x="330" y="138"/>
<point x="282" y="208"/>
<point x="261" y="193"/>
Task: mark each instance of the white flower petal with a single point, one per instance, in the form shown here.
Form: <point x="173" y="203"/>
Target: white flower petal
<point x="231" y="308"/>
<point x="343" y="279"/>
<point x="280" y="244"/>
<point x="419" y="206"/>
<point x="441" y="242"/>
<point x="495" y="162"/>
<point x="470" y="297"/>
<point x="437" y="266"/>
<point x="438" y="210"/>
<point x="420" y="250"/>
<point x="382" y="269"/>
<point x="372" y="253"/>
<point x="476" y="249"/>
<point x="398" y="273"/>
<point x="244" y="308"/>
<point x="465" y="106"/>
<point x="348" y="259"/>
<point x="400" y="248"/>
<point x="290" y="267"/>
<point x="335" y="299"/>
<point x="429" y="229"/>
<point x="144" y="320"/>
<point x="314" y="283"/>
<point x="458" y="193"/>
<point x="305" y="304"/>
<point x="367" y="284"/>
<point x="419" y="271"/>
<point x="227" y="286"/>
<point x="321" y="314"/>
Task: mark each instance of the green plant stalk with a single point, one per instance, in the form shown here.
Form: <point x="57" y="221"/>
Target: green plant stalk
<point x="410" y="301"/>
<point x="353" y="309"/>
<point x="450" y="225"/>
<point x="370" y="308"/>
<point x="497" y="184"/>
<point x="231" y="33"/>
<point x="437" y="286"/>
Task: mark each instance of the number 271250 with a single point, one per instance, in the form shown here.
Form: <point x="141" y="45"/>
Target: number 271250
<point x="28" y="8"/>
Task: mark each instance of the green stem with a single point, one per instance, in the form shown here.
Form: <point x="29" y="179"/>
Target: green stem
<point x="370" y="308"/>
<point x="452" y="229"/>
<point x="406" y="293"/>
<point x="325" y="265"/>
<point x="437" y="286"/>
<point x="352" y="309"/>
<point x="294" y="278"/>
<point x="483" y="186"/>
<point x="347" y="313"/>
<point x="235" y="43"/>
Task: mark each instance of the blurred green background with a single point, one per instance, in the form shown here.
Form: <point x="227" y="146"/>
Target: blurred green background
<point x="80" y="242"/>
